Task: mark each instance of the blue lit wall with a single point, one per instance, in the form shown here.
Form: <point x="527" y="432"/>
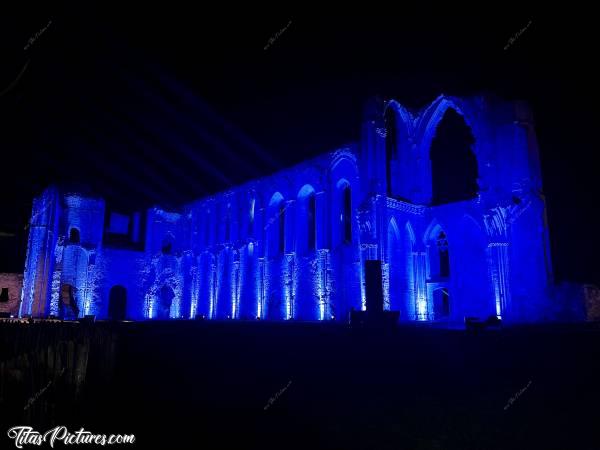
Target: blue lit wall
<point x="287" y="246"/>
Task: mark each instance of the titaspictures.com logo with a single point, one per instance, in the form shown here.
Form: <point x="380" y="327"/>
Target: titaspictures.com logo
<point x="24" y="435"/>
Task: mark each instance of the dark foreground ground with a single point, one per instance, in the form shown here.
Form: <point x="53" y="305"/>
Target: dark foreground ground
<point x="259" y="385"/>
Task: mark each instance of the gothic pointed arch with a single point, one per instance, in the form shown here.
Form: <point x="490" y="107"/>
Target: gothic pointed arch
<point x="454" y="170"/>
<point x="306" y="220"/>
<point x="275" y="225"/>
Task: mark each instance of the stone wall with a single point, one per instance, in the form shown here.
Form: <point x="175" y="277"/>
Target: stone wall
<point x="13" y="283"/>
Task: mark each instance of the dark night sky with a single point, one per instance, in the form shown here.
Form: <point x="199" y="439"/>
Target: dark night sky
<point x="163" y="105"/>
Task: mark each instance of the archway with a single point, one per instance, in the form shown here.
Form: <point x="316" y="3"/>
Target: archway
<point x="167" y="244"/>
<point x="165" y="299"/>
<point x="74" y="236"/>
<point x="68" y="308"/>
<point x="439" y="255"/>
<point x="454" y="169"/>
<point x="306" y="220"/>
<point x="275" y="226"/>
<point x="474" y="287"/>
<point x="346" y="215"/>
<point x="117" y="303"/>
<point x="341" y="213"/>
<point x="441" y="303"/>
<point x="401" y="275"/>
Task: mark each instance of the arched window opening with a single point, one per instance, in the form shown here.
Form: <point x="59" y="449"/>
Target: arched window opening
<point x="453" y="164"/>
<point x="275" y="225"/>
<point x="228" y="223"/>
<point x="444" y="256"/>
<point x="207" y="223"/>
<point x="167" y="246"/>
<point x="282" y="227"/>
<point x="305" y="213"/>
<point x="391" y="142"/>
<point x="347" y="215"/>
<point x="74" y="236"/>
<point x="251" y="217"/>
<point x="311" y="215"/>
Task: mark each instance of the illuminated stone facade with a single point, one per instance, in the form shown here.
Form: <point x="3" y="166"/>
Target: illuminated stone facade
<point x="293" y="244"/>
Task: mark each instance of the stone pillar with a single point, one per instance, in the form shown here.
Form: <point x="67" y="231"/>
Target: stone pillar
<point x="40" y="260"/>
<point x="499" y="275"/>
<point x="420" y="276"/>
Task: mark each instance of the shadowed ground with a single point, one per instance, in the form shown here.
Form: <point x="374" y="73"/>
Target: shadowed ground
<point x="207" y="385"/>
